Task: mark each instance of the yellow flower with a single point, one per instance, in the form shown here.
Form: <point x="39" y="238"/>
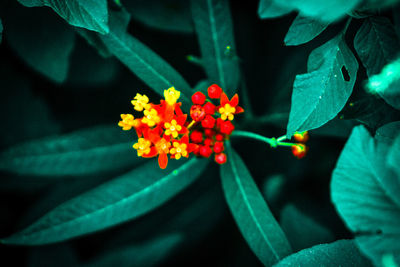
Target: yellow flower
<point x="171" y="95"/>
<point x="142" y="147"/>
<point x="163" y="146"/>
<point x="227" y="112"/>
<point x="151" y="117"/>
<point x="128" y="121"/>
<point x="172" y="128"/>
<point x="140" y="102"/>
<point x="179" y="150"/>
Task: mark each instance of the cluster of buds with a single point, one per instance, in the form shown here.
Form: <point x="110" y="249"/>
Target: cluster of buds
<point x="164" y="131"/>
<point x="299" y="150"/>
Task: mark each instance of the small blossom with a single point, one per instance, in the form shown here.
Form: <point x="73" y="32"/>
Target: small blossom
<point x="208" y="122"/>
<point x="196" y="136"/>
<point x="214" y="91"/>
<point x="172" y="128"/>
<point x="142" y="147"/>
<point x="140" y="102"/>
<point x="218" y="147"/>
<point x="228" y="107"/>
<point x="171" y="95"/>
<point x="197" y="113"/>
<point x="128" y="121"/>
<point x="209" y="108"/>
<point x="227" y="112"/>
<point x="151" y="117"/>
<point x="299" y="150"/>
<point x="178" y="150"/>
<point x="205" y="151"/>
<point x="198" y="98"/>
<point x="220" y="158"/>
<point x="301" y="136"/>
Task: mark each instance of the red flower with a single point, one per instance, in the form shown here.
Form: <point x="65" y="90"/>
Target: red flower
<point x="220" y="158"/>
<point x="228" y="108"/>
<point x="208" y="122"/>
<point x="299" y="150"/>
<point x="214" y="91"/>
<point x="209" y="108"/>
<point x="198" y="98"/>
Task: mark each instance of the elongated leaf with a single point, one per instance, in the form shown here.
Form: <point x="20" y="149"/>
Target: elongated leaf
<point x="394" y="156"/>
<point x="142" y="61"/>
<point x="303" y="30"/>
<point x="377" y="44"/>
<point x="167" y="15"/>
<point x="213" y="25"/>
<point x="148" y="253"/>
<point x="251" y="213"/>
<point x="1" y="31"/>
<point x="320" y="94"/>
<point x="365" y="193"/>
<point x="89" y="151"/>
<point x="53" y="41"/>
<point x="89" y="14"/>
<point x="121" y="199"/>
<point x="269" y="9"/>
<point x="342" y="253"/>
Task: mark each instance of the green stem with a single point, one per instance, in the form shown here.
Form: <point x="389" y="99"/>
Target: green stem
<point x="271" y="141"/>
<point x="279" y="139"/>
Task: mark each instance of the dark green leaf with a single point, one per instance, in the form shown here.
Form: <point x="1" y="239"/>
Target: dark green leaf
<point x="320" y="94"/>
<point x="142" y="61"/>
<point x="148" y="253"/>
<point x="89" y="151"/>
<point x="251" y="213"/>
<point x="365" y="192"/>
<point x="121" y="199"/>
<point x="53" y="41"/>
<point x="168" y="15"/>
<point x="89" y="14"/>
<point x="327" y="11"/>
<point x="394" y="156"/>
<point x="269" y="9"/>
<point x="1" y="31"/>
<point x="342" y="253"/>
<point x="303" y="30"/>
<point x="301" y="230"/>
<point x="213" y="25"/>
<point x="377" y="45"/>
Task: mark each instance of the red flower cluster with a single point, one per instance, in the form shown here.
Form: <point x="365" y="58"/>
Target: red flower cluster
<point x="164" y="129"/>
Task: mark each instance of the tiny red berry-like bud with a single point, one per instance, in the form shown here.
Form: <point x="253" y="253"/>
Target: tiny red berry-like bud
<point x="194" y="148"/>
<point x="301" y="137"/>
<point x="299" y="150"/>
<point x="219" y="137"/>
<point x="197" y="113"/>
<point x="220" y="158"/>
<point x="196" y="137"/>
<point x="208" y="122"/>
<point x="218" y="147"/>
<point x="214" y="91"/>
<point x="205" y="151"/>
<point x="208" y="142"/>
<point x="198" y="98"/>
<point x="209" y="132"/>
<point x="209" y="108"/>
<point x="226" y="127"/>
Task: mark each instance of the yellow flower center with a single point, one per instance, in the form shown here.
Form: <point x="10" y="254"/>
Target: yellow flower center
<point x="128" y="121"/>
<point x="227" y="112"/>
<point x="178" y="150"/>
<point x="140" y="102"/>
<point x="142" y="146"/>
<point x="171" y="95"/>
<point x="151" y="117"/>
<point x="163" y="146"/>
<point x="172" y="128"/>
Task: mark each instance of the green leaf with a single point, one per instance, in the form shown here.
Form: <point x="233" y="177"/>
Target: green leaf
<point x="301" y="230"/>
<point x="365" y="192"/>
<point x="88" y="151"/>
<point x="121" y="199"/>
<point x="394" y="156"/>
<point x="148" y="253"/>
<point x="377" y="45"/>
<point x="268" y="9"/>
<point x="320" y="94"/>
<point x="327" y="11"/>
<point x="167" y="15"/>
<point x="303" y="30"/>
<point x="142" y="61"/>
<point x="89" y="14"/>
<point x="213" y="25"/>
<point x="51" y="40"/>
<point x="251" y="213"/>
<point x="340" y="253"/>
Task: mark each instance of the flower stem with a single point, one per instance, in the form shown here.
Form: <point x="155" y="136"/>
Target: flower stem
<point x="273" y="142"/>
<point x="191" y="124"/>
